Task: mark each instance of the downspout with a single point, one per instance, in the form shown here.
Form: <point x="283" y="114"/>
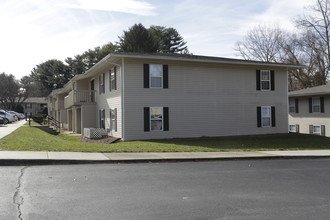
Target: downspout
<point x="122" y="99"/>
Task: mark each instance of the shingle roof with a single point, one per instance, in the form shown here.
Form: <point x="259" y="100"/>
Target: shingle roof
<point x="40" y="100"/>
<point x="317" y="90"/>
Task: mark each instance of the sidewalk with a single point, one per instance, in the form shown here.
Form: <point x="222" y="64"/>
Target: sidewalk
<point x="43" y="157"/>
<point x="8" y="128"/>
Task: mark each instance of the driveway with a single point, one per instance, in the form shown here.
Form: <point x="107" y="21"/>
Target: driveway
<point x="8" y="128"/>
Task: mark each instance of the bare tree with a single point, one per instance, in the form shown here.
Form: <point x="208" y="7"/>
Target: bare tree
<point x="316" y="39"/>
<point x="262" y="43"/>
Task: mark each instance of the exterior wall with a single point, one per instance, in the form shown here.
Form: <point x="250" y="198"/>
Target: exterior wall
<point x="203" y="100"/>
<point x="64" y="118"/>
<point x="88" y="114"/>
<point x="32" y="108"/>
<point x="303" y="118"/>
<point x="109" y="100"/>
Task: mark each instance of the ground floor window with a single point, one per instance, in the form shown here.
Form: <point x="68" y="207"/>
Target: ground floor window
<point x="156" y="118"/>
<point x="266" y="116"/>
<point x="293" y="128"/>
<point x="317" y="129"/>
<point x="113" y="119"/>
<point x="102" y="118"/>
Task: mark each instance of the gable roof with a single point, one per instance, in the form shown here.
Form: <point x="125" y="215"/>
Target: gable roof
<point x="39" y="100"/>
<point x="317" y="90"/>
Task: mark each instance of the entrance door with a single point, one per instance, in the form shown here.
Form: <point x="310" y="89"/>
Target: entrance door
<point x="92" y="92"/>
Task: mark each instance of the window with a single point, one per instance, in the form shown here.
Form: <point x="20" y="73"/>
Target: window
<point x="316" y="104"/>
<point x="102" y="118"/>
<point x="266" y="116"/>
<point x="156" y="118"/>
<point x="101" y="83"/>
<point x="293" y="128"/>
<point x="293" y="105"/>
<point x="156" y="76"/>
<point x="113" y="119"/>
<point x="265" y="80"/>
<point x="317" y="129"/>
<point x="113" y="79"/>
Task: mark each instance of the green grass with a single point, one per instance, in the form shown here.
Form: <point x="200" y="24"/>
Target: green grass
<point x="33" y="139"/>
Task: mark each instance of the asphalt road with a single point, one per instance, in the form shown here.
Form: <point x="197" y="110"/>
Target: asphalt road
<point x="261" y="189"/>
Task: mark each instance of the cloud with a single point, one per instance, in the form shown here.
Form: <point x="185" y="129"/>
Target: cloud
<point x="126" y="6"/>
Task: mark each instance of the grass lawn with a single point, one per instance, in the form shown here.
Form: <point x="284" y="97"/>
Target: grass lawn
<point x="33" y="139"/>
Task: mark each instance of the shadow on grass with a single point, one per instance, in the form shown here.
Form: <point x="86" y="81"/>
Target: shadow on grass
<point x="254" y="142"/>
<point x="46" y="129"/>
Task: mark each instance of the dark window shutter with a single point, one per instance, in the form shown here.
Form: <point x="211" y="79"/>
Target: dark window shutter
<point x="273" y="117"/>
<point x="258" y="79"/>
<point x="272" y="80"/>
<point x="146" y="119"/>
<point x="165" y="76"/>
<point x="259" y="116"/>
<point x="311" y="129"/>
<point x="103" y="86"/>
<point x="110" y="87"/>
<point x="297" y="128"/>
<point x="99" y="84"/>
<point x="296" y="103"/>
<point x="115" y="125"/>
<point x="322" y="130"/>
<point x="100" y="116"/>
<point x="310" y="101"/>
<point x="166" y="118"/>
<point x="322" y="104"/>
<point x="146" y="75"/>
<point x="115" y="80"/>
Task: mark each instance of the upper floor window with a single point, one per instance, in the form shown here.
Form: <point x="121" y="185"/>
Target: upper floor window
<point x="155" y="76"/>
<point x="112" y="79"/>
<point x="101" y="83"/>
<point x="265" y="80"/>
<point x="316" y="104"/>
<point x="293" y="105"/>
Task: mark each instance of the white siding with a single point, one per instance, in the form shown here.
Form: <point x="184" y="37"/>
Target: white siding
<point x="109" y="100"/>
<point x="203" y="100"/>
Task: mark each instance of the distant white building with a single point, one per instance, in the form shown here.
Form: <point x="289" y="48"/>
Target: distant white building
<point x="34" y="105"/>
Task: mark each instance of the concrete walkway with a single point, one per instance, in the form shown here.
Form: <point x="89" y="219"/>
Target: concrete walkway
<point x="8" y="128"/>
<point x="43" y="157"/>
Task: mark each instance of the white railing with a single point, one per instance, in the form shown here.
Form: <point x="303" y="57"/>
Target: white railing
<point x="80" y="97"/>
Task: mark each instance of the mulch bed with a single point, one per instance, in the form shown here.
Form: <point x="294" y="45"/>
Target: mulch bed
<point x="105" y="140"/>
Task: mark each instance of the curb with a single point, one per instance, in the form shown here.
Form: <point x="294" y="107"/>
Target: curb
<point x="41" y="162"/>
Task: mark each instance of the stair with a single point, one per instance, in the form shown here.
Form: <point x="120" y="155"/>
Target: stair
<point x="47" y="129"/>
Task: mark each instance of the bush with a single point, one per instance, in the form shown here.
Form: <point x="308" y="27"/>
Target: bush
<point x="38" y="118"/>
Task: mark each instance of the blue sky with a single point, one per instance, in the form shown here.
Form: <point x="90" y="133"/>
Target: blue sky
<point x="34" y="31"/>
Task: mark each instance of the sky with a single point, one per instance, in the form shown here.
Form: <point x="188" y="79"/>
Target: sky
<point x="34" y="31"/>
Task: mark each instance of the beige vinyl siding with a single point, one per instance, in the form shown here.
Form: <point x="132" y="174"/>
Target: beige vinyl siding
<point x="203" y="100"/>
<point x="109" y="100"/>
<point x="303" y="118"/>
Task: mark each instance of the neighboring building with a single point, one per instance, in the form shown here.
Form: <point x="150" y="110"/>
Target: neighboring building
<point x="309" y="110"/>
<point x="153" y="96"/>
<point x="34" y="105"/>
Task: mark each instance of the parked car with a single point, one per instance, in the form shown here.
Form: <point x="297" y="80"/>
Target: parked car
<point x="7" y="117"/>
<point x="2" y="121"/>
<point x="19" y="115"/>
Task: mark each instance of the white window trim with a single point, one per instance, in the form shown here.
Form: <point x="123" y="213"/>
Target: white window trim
<point x="261" y="80"/>
<point x="319" y="105"/>
<point x="318" y="133"/>
<point x="162" y="77"/>
<point x="113" y="120"/>
<point x="292" y="104"/>
<point x="270" y="117"/>
<point x="111" y="81"/>
<point x="162" y="108"/>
